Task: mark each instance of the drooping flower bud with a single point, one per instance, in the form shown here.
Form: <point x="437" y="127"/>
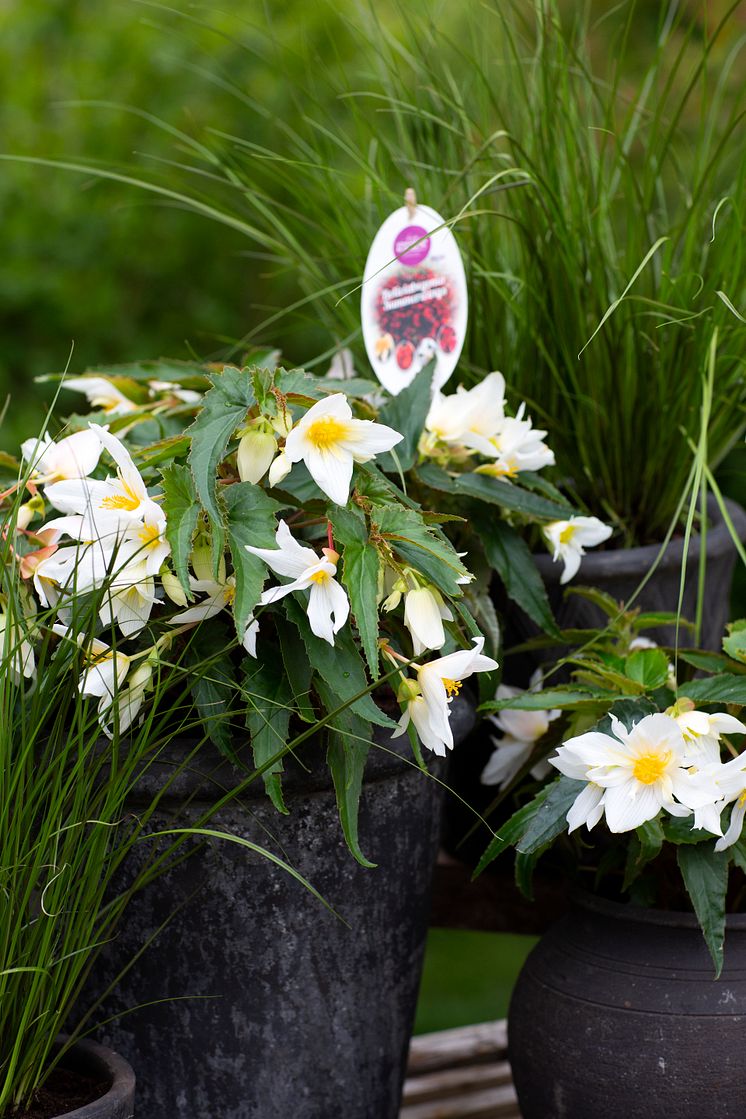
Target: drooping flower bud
<point x="255" y="453"/>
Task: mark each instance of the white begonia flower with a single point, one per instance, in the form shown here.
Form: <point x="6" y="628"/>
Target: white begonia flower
<point x="105" y="672"/>
<point x="186" y="396"/>
<point x="75" y="456"/>
<point x="468" y="415"/>
<point x="172" y="587"/>
<point x="128" y="599"/>
<point x="122" y="713"/>
<point x="424" y="614"/>
<point x="702" y="733"/>
<point x="521" y="730"/>
<point x="639" y="772"/>
<point x="16" y="651"/>
<point x="428" y="698"/>
<point x="517" y="446"/>
<point x="569" y="539"/>
<point x="219" y="595"/>
<point x="250" y="635"/>
<point x="330" y="441"/>
<point x="105" y="506"/>
<point x="100" y="393"/>
<point x="279" y="469"/>
<point x="328" y="606"/>
<point x="256" y="451"/>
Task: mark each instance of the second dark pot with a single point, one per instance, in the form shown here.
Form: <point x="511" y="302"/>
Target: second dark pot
<point x="617" y="1013"/>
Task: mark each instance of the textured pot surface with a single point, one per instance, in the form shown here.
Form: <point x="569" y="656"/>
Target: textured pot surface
<point x="285" y="1009"/>
<point x="617" y="1013"/>
<point x="99" y="1063"/>
<point x="619" y="572"/>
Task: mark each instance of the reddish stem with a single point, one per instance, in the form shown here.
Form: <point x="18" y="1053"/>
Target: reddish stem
<point x="329" y="536"/>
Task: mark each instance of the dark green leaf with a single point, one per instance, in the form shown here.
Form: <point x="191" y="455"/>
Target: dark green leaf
<point x="181" y="508"/>
<point x="552" y="820"/>
<point x="512" y="831"/>
<point x="349" y="744"/>
<point x="627" y="711"/>
<point x="250" y="520"/>
<point x="726" y="687"/>
<point x="705" y="874"/>
<point x="268" y="696"/>
<point x="679" y="830"/>
<point x="560" y="697"/>
<point x="601" y="599"/>
<point x="508" y="495"/>
<point x="710" y="662"/>
<point x="511" y="558"/>
<point x="407" y="413"/>
<point x="648" y="840"/>
<point x="224" y="408"/>
<point x="213" y="685"/>
<point x="298" y="670"/>
<point x="341" y="663"/>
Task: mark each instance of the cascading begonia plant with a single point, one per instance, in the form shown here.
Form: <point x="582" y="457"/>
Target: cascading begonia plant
<point x="632" y="764"/>
<point x="289" y="520"/>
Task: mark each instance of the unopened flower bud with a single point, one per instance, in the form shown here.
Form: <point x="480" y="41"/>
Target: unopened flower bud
<point x="255" y="453"/>
<point x="279" y="469"/>
<point x="173" y="588"/>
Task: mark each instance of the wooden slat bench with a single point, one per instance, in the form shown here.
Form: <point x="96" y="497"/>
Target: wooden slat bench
<point x="460" y="1074"/>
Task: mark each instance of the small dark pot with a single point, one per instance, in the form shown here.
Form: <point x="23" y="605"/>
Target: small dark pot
<point x="300" y="1014"/>
<point x="617" y="1013"/>
<point x="101" y="1064"/>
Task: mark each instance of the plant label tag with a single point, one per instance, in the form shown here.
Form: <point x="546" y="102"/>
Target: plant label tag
<point x="414" y="301"/>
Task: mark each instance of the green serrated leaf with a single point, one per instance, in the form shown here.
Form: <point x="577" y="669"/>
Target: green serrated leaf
<point x="509" y="555"/>
<point x="341" y="663"/>
<point x="181" y="508"/>
<point x="422" y="547"/>
<point x="360" y="568"/>
<point x="735" y="643"/>
<point x="268" y="697"/>
<point x="223" y="409"/>
<point x="251" y="519"/>
<point x="347" y="753"/>
<point x="407" y="413"/>
<point x="552" y="820"/>
<point x="679" y="830"/>
<point x="705" y="874"/>
<point x="648" y="667"/>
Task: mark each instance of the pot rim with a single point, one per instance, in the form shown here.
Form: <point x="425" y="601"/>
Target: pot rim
<point x="670" y="918"/>
<point x="630" y="561"/>
<point x="106" y="1062"/>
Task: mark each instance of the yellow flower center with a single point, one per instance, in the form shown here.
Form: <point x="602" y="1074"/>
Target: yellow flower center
<point x="319" y="577"/>
<point x="649" y="768"/>
<point x="566" y="535"/>
<point x="150" y="535"/>
<point x="230" y="594"/>
<point x="453" y="687"/>
<point x="742" y="799"/>
<point x="127" y="500"/>
<point x="326" y="431"/>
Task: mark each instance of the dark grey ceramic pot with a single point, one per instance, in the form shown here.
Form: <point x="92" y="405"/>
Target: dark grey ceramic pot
<point x="617" y="1013"/>
<point x="620" y="571"/>
<point x="285" y="1010"/>
<point x="101" y="1064"/>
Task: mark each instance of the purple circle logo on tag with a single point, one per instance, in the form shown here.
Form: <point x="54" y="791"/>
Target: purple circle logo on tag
<point x="406" y="246"/>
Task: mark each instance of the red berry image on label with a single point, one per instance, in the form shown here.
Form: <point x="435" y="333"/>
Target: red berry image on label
<point x="404" y="355"/>
<point x="447" y="339"/>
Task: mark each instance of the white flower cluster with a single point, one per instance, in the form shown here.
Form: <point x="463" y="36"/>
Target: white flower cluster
<point x="667" y="762"/>
<point x="473" y="422"/>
